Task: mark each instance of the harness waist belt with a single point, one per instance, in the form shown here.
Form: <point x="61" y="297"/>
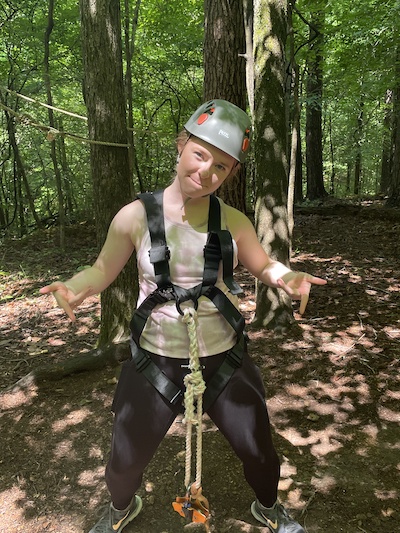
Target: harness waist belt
<point x="174" y="394"/>
<point x="157" y="378"/>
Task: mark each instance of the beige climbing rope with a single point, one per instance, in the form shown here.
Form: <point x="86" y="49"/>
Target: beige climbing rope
<point x="194" y="506"/>
<point x="195" y="387"/>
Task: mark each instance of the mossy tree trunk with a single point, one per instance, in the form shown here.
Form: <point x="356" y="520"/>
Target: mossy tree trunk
<point x="273" y="309"/>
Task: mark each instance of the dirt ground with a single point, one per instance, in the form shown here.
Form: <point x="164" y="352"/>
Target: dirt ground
<point x="332" y="383"/>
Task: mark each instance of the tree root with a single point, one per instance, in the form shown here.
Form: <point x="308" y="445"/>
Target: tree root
<point x="109" y="355"/>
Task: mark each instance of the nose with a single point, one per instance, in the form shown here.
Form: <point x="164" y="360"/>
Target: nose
<point x="205" y="170"/>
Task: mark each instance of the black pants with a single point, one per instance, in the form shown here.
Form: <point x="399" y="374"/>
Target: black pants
<point x="143" y="417"/>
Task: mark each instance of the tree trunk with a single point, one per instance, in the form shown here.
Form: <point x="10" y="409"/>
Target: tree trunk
<point x="273" y="308"/>
<point x="21" y="179"/>
<point x="57" y="173"/>
<point x="248" y="13"/>
<point x="332" y="154"/>
<point x="225" y="73"/>
<point x="386" y="162"/>
<point x="105" y="101"/>
<point x="129" y="36"/>
<point x="315" y="172"/>
<point x="67" y="176"/>
<point x="348" y="177"/>
<point x="358" y="134"/>
<point x="298" y="184"/>
<point x="394" y="193"/>
<point x="294" y="121"/>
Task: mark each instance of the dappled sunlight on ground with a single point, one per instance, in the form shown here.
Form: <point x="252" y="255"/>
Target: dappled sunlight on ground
<point x="332" y="386"/>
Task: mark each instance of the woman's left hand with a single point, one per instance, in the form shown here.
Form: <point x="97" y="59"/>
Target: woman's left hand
<point x="298" y="285"/>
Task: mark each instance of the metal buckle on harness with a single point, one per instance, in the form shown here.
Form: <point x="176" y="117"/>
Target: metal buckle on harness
<point x="159" y="253"/>
<point x="184" y="295"/>
<point x="142" y="360"/>
<point x="166" y="293"/>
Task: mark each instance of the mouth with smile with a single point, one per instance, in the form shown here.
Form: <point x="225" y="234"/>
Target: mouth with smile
<point x="198" y="183"/>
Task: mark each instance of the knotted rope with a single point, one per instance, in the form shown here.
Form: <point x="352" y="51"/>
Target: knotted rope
<point x="195" y="387"/>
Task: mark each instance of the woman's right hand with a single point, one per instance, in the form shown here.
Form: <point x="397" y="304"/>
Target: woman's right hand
<point x="65" y="297"/>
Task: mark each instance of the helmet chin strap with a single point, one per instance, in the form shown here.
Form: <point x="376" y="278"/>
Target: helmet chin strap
<point x="188" y="198"/>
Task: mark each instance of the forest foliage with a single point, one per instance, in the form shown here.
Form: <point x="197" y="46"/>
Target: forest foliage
<point x="359" y="73"/>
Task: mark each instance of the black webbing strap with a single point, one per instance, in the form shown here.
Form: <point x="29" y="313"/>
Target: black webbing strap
<point x="174" y="394"/>
<point x="159" y="252"/>
<point x="228" y="310"/>
<point x="221" y="377"/>
<point x="214" y="214"/>
<point x="157" y="378"/>
<point x="219" y="247"/>
<point x="212" y="258"/>
<point x="142" y="313"/>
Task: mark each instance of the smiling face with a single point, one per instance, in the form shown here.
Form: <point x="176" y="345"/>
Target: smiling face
<point x="202" y="168"/>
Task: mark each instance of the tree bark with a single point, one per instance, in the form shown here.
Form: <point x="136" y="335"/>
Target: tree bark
<point x="21" y="179"/>
<point x="394" y="193"/>
<point x="386" y="161"/>
<point x="225" y="74"/>
<point x="273" y="308"/>
<point x="53" y="153"/>
<point x="358" y="134"/>
<point x="130" y="26"/>
<point x="248" y="13"/>
<point x="105" y="101"/>
<point x="315" y="173"/>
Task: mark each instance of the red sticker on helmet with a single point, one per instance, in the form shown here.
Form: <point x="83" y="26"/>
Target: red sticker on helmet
<point x="202" y="118"/>
<point x="245" y="145"/>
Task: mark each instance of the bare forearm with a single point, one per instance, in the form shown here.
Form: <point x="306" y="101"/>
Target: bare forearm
<point x="90" y="281"/>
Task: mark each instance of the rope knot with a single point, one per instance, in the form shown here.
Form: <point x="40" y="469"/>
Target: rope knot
<point x="195" y="387"/>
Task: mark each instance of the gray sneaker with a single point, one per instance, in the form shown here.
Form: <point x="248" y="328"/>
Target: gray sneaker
<point x="114" y="521"/>
<point x="276" y="519"/>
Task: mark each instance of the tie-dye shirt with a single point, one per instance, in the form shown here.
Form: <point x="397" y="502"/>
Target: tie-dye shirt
<point x="165" y="333"/>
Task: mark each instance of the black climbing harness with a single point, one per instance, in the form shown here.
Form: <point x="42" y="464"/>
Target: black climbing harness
<point x="219" y="247"/>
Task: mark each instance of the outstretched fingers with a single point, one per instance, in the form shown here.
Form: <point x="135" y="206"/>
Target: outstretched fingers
<point x="303" y="303"/>
<point x="65" y="297"/>
<point x="297" y="285"/>
<point x="62" y="302"/>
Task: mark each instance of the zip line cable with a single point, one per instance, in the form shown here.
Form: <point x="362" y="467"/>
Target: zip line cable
<point x="52" y="133"/>
<point x="28" y="99"/>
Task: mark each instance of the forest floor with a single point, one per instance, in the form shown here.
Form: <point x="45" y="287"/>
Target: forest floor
<point x="332" y="381"/>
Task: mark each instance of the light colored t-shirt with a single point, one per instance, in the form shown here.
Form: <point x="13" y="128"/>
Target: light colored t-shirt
<point x="165" y="333"/>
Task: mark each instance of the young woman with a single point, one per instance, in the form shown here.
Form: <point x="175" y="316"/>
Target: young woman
<point x="187" y="243"/>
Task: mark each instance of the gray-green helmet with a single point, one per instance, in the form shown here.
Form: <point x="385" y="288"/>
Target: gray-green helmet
<point x="223" y="125"/>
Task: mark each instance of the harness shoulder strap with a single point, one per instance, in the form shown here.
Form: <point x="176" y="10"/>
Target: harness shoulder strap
<point x="159" y="251"/>
<point x="214" y="214"/>
<point x="219" y="247"/>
